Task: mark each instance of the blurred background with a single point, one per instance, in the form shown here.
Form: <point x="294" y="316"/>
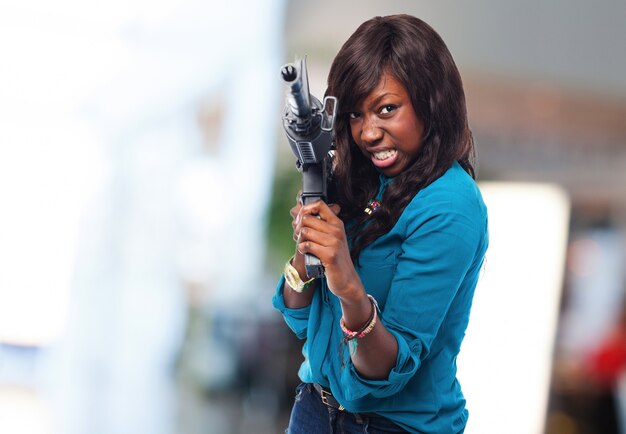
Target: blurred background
<point x="145" y="184"/>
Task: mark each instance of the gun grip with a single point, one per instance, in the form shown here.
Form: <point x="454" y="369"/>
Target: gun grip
<point x="313" y="265"/>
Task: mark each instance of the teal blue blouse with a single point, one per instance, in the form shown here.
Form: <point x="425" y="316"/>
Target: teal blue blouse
<point x="423" y="273"/>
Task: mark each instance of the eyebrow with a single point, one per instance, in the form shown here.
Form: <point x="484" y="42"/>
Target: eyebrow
<point x="377" y="100"/>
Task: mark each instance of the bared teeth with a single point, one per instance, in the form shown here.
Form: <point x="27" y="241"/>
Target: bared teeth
<point x="383" y="155"/>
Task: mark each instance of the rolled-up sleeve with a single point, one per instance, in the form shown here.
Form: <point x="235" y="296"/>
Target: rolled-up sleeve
<point x="297" y="319"/>
<point x="406" y="365"/>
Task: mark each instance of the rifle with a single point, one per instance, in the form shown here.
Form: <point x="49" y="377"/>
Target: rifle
<point x="309" y="129"/>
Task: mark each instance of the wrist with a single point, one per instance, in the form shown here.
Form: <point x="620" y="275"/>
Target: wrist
<point x="293" y="279"/>
<point x="353" y="293"/>
<point x="356" y="309"/>
<point x="364" y="329"/>
<point x="297" y="261"/>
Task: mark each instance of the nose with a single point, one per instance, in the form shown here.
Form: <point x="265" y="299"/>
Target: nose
<point x="371" y="132"/>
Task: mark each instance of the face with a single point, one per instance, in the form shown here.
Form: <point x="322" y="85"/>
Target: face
<point x="386" y="128"/>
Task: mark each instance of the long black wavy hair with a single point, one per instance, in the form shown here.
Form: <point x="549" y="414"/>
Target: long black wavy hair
<point x="416" y="55"/>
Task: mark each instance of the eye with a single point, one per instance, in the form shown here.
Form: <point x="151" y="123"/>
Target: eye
<point x="386" y="109"/>
<point x="354" y="115"/>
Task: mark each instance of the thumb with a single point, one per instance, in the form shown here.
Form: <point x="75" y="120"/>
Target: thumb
<point x="336" y="209"/>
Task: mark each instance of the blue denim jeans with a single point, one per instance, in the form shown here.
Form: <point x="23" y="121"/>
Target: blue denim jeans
<point x="311" y="416"/>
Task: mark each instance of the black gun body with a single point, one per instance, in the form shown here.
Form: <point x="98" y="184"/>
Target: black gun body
<point x="309" y="129"/>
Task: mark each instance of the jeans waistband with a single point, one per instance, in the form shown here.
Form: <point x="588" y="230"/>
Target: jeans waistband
<point x="330" y="401"/>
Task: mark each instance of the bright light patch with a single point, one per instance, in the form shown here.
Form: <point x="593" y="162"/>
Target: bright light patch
<point x="24" y="411"/>
<point x="505" y="361"/>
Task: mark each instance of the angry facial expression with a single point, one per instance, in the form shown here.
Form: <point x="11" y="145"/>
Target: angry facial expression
<point x="386" y="128"/>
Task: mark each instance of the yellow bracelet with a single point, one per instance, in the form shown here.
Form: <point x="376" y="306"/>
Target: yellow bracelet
<point x="293" y="278"/>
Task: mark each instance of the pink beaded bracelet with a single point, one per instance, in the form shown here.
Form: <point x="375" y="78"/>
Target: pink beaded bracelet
<point x="368" y="327"/>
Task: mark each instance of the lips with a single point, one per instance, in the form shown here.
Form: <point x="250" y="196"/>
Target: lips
<point x="384" y="158"/>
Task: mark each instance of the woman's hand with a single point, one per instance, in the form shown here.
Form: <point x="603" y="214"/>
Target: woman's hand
<point x="320" y="232"/>
<point x="294" y="215"/>
<point x="292" y="298"/>
<point x="298" y="259"/>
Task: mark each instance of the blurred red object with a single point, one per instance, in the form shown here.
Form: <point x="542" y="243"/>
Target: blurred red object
<point x="608" y="361"/>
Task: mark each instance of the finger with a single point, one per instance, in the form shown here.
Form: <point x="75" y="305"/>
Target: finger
<point x="335" y="208"/>
<point x="324" y="253"/>
<point x="295" y="218"/>
<point x="293" y="212"/>
<point x="334" y="228"/>
<point x="319" y="208"/>
<point x="307" y="234"/>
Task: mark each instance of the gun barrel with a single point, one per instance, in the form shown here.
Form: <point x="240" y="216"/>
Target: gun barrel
<point x="289" y="72"/>
<point x="298" y="97"/>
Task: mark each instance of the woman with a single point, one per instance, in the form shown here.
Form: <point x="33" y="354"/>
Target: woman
<point x="402" y="246"/>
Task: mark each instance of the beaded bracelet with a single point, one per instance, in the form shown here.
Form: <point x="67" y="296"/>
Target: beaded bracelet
<point x="351" y="336"/>
<point x="369" y="325"/>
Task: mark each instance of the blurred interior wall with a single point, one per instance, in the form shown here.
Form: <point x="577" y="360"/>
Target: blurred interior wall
<point x="119" y="194"/>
